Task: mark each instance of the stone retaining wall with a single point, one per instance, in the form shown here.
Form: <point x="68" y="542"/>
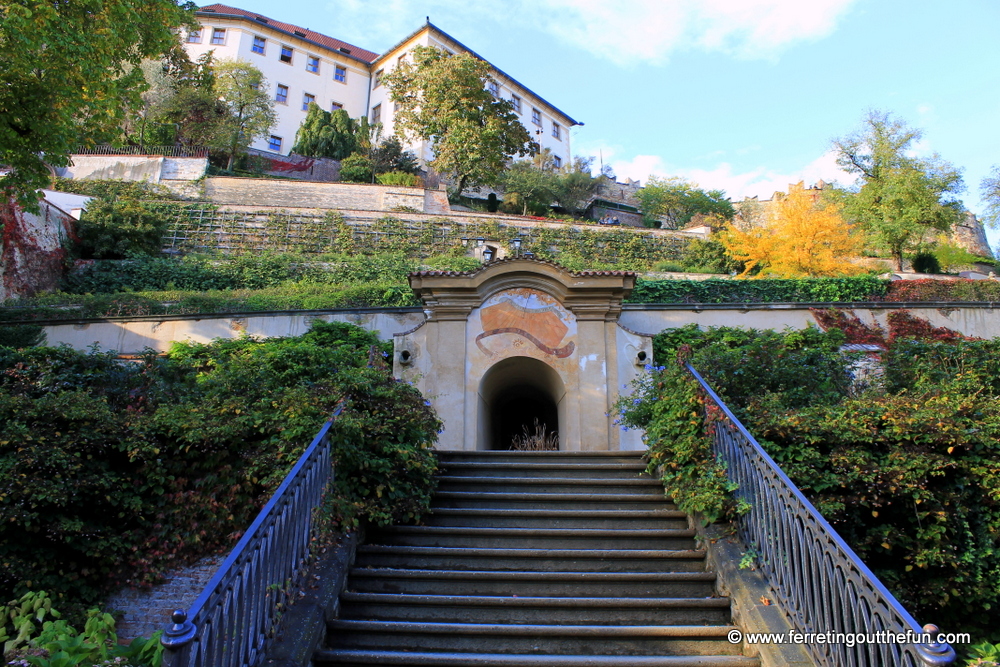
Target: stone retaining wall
<point x="130" y="335"/>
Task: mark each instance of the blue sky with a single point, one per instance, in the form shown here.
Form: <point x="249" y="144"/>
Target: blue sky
<point x="740" y="95"/>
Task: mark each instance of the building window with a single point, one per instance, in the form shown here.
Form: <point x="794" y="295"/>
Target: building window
<point x="307" y="99"/>
<point x="286" y="55"/>
<point x="536" y="116"/>
<point x="194" y="36"/>
<point x="334" y="106"/>
<point x="378" y="78"/>
<point x="340" y="74"/>
<point x="274" y="143"/>
<point x="515" y="101"/>
<point x="557" y="162"/>
<point x="376" y="114"/>
<point x="312" y="64"/>
<point x="556" y="130"/>
<point x="281" y="94"/>
<point x="219" y="36"/>
<point x="400" y="60"/>
<point x="258" y="45"/>
<point x="494" y="88"/>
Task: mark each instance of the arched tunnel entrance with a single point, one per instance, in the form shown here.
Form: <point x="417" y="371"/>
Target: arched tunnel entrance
<point x="513" y="395"/>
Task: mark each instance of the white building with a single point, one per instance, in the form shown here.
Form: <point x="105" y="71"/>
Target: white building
<point x="304" y="66"/>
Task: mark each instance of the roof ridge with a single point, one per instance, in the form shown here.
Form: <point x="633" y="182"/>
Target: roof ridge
<point x="319" y="38"/>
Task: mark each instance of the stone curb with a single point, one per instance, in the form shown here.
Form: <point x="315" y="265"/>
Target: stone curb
<point x="748" y="589"/>
<point x="303" y="627"/>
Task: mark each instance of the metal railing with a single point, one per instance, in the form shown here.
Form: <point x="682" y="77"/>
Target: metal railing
<point x="229" y="623"/>
<point x="818" y="581"/>
<point x="165" y="151"/>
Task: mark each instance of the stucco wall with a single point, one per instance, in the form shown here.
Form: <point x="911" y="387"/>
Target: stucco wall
<point x="150" y="168"/>
<point x="132" y="335"/>
<point x="980" y="321"/>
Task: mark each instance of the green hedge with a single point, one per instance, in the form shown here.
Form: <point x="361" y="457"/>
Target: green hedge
<point x="289" y="297"/>
<point x="813" y="290"/>
<point x="759" y="291"/>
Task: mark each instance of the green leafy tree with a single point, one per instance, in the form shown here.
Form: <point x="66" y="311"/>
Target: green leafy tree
<point x="443" y="98"/>
<point x="390" y="156"/>
<point x="326" y="134"/>
<point x="70" y="73"/>
<point x="899" y="200"/>
<point x="990" y="191"/>
<point x="241" y="87"/>
<point x="672" y="202"/>
<point x="528" y="186"/>
<point x="575" y="187"/>
<point x="200" y="118"/>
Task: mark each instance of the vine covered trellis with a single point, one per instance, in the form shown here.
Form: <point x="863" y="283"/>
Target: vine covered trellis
<point x="207" y="228"/>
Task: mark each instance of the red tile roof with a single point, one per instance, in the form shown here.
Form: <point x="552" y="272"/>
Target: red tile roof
<point x="310" y="35"/>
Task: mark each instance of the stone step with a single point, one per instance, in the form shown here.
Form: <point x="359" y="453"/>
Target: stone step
<point x="537" y="560"/>
<point x="578" y="501"/>
<point x="532" y="610"/>
<point x="533" y="538"/>
<point x="551" y="485"/>
<point x="618" y="640"/>
<point x="356" y="658"/>
<point x="545" y="468"/>
<point x="541" y="518"/>
<point x="527" y="458"/>
<point x="533" y="584"/>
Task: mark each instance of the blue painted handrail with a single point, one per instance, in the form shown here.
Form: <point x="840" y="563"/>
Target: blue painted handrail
<point x="818" y="581"/>
<point x="229" y="623"/>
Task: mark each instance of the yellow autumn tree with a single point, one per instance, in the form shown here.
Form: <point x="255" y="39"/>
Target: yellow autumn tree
<point x="802" y="237"/>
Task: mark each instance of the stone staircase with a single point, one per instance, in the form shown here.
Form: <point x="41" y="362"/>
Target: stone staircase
<point x="532" y="559"/>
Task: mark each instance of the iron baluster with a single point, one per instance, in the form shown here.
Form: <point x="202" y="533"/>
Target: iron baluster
<point x="817" y="579"/>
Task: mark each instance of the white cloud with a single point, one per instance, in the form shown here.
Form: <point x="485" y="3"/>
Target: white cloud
<point x="760" y="182"/>
<point x="623" y="32"/>
<point x="650" y="30"/>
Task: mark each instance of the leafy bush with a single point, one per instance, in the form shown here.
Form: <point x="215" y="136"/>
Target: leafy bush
<point x="111" y="190"/>
<point x="56" y="643"/>
<point x="287" y="297"/>
<point x="907" y="472"/>
<point x="356" y="168"/>
<point x="400" y="178"/>
<point x="119" y="228"/>
<point x="959" y="289"/>
<point x="926" y="262"/>
<point x="257" y="271"/>
<point x="667" y="404"/>
<point x="115" y="470"/>
<point x="954" y="258"/>
<point x="21" y="335"/>
<point x="708" y="256"/>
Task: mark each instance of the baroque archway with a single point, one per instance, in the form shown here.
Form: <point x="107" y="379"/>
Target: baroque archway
<point x="520" y="339"/>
